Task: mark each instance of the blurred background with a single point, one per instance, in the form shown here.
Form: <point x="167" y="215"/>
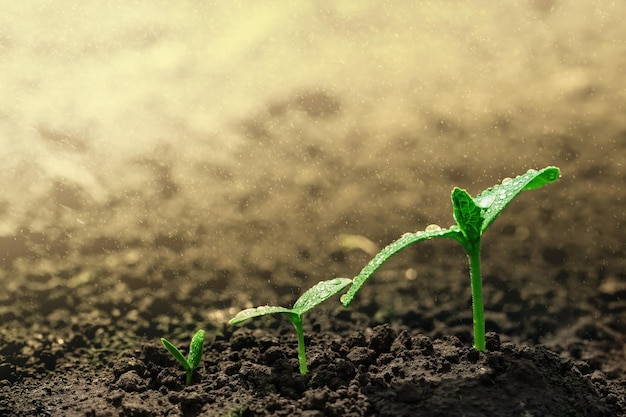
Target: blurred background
<point x="250" y="133"/>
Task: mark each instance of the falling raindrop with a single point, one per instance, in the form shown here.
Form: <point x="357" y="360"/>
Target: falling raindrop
<point x="410" y="274"/>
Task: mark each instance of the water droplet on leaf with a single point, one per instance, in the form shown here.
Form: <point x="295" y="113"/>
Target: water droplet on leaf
<point x="432" y="228"/>
<point x="485" y="201"/>
<point x="323" y="294"/>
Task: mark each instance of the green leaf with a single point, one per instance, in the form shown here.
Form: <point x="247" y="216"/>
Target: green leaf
<point x="249" y="313"/>
<point x="319" y="293"/>
<point x="196" y="349"/>
<point x="407" y="239"/>
<point x="467" y="214"/>
<point x="175" y="353"/>
<point x="493" y="200"/>
<point x="547" y="176"/>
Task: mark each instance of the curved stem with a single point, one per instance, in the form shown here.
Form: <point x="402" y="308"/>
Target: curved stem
<point x="297" y="323"/>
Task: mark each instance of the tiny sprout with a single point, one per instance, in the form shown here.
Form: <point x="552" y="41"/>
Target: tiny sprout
<point x="196" y="348"/>
<point x="473" y="215"/>
<point x="314" y="296"/>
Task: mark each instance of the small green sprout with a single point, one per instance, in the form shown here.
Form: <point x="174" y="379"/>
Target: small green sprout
<point x="196" y="350"/>
<point x="314" y="296"/>
<point x="473" y="216"/>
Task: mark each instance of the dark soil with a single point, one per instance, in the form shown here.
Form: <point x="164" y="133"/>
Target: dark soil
<point x="131" y="216"/>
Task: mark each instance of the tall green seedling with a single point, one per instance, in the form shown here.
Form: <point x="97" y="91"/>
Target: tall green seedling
<point x="316" y="295"/>
<point x="473" y="216"/>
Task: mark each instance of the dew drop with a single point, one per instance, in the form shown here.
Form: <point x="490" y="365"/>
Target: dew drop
<point x="432" y="228"/>
<point x="323" y="294"/>
<point x="485" y="201"/>
<point x="531" y="171"/>
<point x="507" y="179"/>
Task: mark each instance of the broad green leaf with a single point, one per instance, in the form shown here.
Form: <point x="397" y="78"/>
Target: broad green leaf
<point x="249" y="313"/>
<point x="196" y="349"/>
<point x="407" y="239"/>
<point x="319" y="293"/>
<point x="175" y="353"/>
<point x="493" y="200"/>
<point x="467" y="214"/>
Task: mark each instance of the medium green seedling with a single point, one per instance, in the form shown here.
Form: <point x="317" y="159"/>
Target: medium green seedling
<point x="196" y="350"/>
<point x="314" y="296"/>
<point x="473" y="216"/>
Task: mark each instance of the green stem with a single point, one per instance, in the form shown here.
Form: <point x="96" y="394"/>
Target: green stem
<point x="189" y="375"/>
<point x="297" y="323"/>
<point x="478" y="310"/>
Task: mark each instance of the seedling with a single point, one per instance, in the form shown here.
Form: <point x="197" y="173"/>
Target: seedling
<point x="196" y="348"/>
<point x="473" y="216"/>
<point x="314" y="296"/>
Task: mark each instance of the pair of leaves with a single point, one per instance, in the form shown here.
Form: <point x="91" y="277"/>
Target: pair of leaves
<point x="316" y="295"/>
<point x="196" y="350"/>
<point x="473" y="217"/>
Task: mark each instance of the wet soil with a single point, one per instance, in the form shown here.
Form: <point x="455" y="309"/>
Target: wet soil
<point x="81" y="360"/>
<point x="139" y="207"/>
